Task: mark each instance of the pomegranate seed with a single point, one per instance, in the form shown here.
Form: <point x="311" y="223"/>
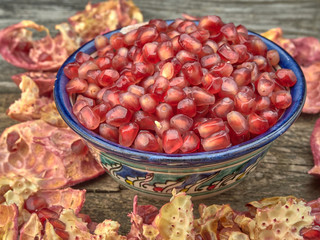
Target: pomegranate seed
<point x="273" y="57"/>
<point x="181" y="122"/>
<point x="92" y="76"/>
<point x="79" y="147"/>
<point x="286" y="77"/>
<point x="150" y="53"/>
<point x="171" y="140"/>
<point x="57" y="224"/>
<point x="281" y="99"/>
<point x="256" y="46"/>
<point x="229" y="88"/>
<point x="237" y="139"/>
<point x="271" y="116"/>
<point x="244" y="102"/>
<point x="165" y="50"/>
<point x="78" y="106"/>
<point x="117" y="40"/>
<point x="237" y="122"/>
<point x="128" y="133"/>
<point x="71" y="70"/>
<point x="228" y="54"/>
<point x="109" y="132"/>
<point x="230" y="32"/>
<point x="137" y="90"/>
<point x="191" y="142"/>
<point x="205" y="51"/>
<point x="242" y="52"/>
<point x="101" y="110"/>
<point x="129" y="101"/>
<point x="265" y="87"/>
<point x="82" y="57"/>
<point x="202" y="110"/>
<point x="119" y="62"/>
<point x="257" y="124"/>
<point x="212" y="83"/>
<point x="216" y="141"/>
<point x="222" y="69"/>
<point x="111" y="97"/>
<point x="192" y="72"/>
<point x="252" y="66"/>
<point x="130" y="37"/>
<point x="211" y="126"/>
<point x="85" y="67"/>
<point x="184" y="56"/>
<point x="92" y="90"/>
<point x="76" y="85"/>
<point x="62" y="234"/>
<point x="146" y="141"/>
<point x="164" y="111"/>
<point x="106" y="51"/>
<point x="146" y="121"/>
<point x="222" y="108"/>
<point x="174" y="95"/>
<point x="146" y="34"/>
<point x="160" y="86"/>
<point x="212" y="23"/>
<point x="45" y="213"/>
<point x="118" y="115"/>
<point x="184" y="25"/>
<point x="34" y="203"/>
<point x="142" y="70"/>
<point x="148" y="102"/>
<point x="201" y="35"/>
<point x="242" y="29"/>
<point x="88" y="118"/>
<point x="160" y="24"/>
<point x="242" y="76"/>
<point x="175" y="44"/>
<point x="175" y="24"/>
<point x="209" y="61"/>
<point x="100" y="41"/>
<point x="262" y="103"/>
<point x="167" y="70"/>
<point x="189" y="43"/>
<point x="187" y="107"/>
<point x="90" y="101"/>
<point x="160" y="127"/>
<point x="310" y="233"/>
<point x="201" y="97"/>
<point x="180" y="82"/>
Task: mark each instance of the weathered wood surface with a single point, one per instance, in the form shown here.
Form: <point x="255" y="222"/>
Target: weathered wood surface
<point x="284" y="169"/>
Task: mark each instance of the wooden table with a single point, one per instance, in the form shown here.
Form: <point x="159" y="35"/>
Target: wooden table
<point x="284" y="169"/>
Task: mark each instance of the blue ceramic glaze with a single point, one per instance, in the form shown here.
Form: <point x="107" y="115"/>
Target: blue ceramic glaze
<point x="199" y="174"/>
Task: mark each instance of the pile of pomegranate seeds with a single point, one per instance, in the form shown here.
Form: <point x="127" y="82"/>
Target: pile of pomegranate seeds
<point x="180" y="88"/>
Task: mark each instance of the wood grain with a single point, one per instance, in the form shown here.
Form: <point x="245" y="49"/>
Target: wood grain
<point x="284" y="169"/>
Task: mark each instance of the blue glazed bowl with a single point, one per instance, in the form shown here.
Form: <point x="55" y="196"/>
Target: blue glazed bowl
<point x="200" y="175"/>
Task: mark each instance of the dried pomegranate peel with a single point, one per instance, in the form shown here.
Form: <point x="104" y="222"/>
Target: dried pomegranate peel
<point x="315" y="148"/>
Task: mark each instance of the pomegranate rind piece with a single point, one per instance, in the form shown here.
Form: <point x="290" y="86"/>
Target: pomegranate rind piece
<point x="175" y="219"/>
<point x="44" y="80"/>
<point x="109" y="230"/>
<point x="308" y="50"/>
<point x="18" y="47"/>
<point x="49" y="232"/>
<point x="315" y="148"/>
<point x="104" y="17"/>
<point x="31" y="229"/>
<point x="9" y="222"/>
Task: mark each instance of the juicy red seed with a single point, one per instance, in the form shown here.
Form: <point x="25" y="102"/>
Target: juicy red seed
<point x="230" y="32"/>
<point x="101" y="110"/>
<point x="181" y="122"/>
<point x="84" y="217"/>
<point x="142" y="70"/>
<point x="212" y="23"/>
<point x="164" y="111"/>
<point x="92" y="90"/>
<point x="222" y="108"/>
<point x="82" y="57"/>
<point x="242" y="52"/>
<point x="257" y="124"/>
<point x="228" y="54"/>
<point x="244" y="103"/>
<point x="273" y="57"/>
<point x="216" y="141"/>
<point x="209" y="61"/>
<point x="109" y="132"/>
<point x="34" y="203"/>
<point x="187" y="107"/>
<point x="167" y="70"/>
<point x="129" y="101"/>
<point x="161" y="126"/>
<point x="57" y="224"/>
<point x="165" y="50"/>
<point x="146" y="141"/>
<point x="180" y="82"/>
<point x="205" y="51"/>
<point x="146" y="121"/>
<point x="160" y="86"/>
<point x="242" y="76"/>
<point x="85" y="67"/>
<point x="175" y="44"/>
<point x="45" y="213"/>
<point x="160" y="24"/>
<point x="88" y="118"/>
<point x="229" y="88"/>
<point x="76" y="85"/>
<point x="171" y="140"/>
<point x="265" y="87"/>
<point x="174" y="95"/>
<point x="237" y="139"/>
<point x="79" y="147"/>
<point x="90" y="101"/>
<point x="118" y="116"/>
<point x="210" y="127"/>
<point x="148" y="102"/>
<point x="256" y="46"/>
<point x="222" y="69"/>
<point x="137" y="90"/>
<point x="71" y="70"/>
<point x="117" y="40"/>
<point x="175" y="24"/>
<point x="281" y="99"/>
<point x="130" y="37"/>
<point x="111" y="97"/>
<point x="286" y="77"/>
<point x="191" y="142"/>
<point x="201" y="97"/>
<point x="184" y="25"/>
<point x="201" y="34"/>
<point x="106" y="51"/>
<point x="128" y="133"/>
<point x="62" y="234"/>
<point x="192" y="72"/>
<point x="189" y="43"/>
<point x="108" y="77"/>
<point x="238" y="122"/>
<point x="150" y="52"/>
<point x="78" y="106"/>
<point x="146" y="34"/>
<point x="92" y="76"/>
<point x="271" y="116"/>
<point x="202" y="110"/>
<point x="212" y="83"/>
<point x="119" y="62"/>
<point x="184" y="56"/>
<point x="262" y="103"/>
<point x="100" y="41"/>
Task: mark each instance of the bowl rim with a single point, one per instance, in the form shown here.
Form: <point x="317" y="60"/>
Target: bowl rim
<point x="211" y="157"/>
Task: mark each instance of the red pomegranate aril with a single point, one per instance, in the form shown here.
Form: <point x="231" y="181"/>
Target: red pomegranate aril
<point x="117" y="40"/>
<point x="202" y="110"/>
<point x="228" y="54"/>
<point x="142" y="70"/>
<point x="109" y="132"/>
<point x="265" y="87"/>
<point x="210" y="127"/>
<point x="124" y="82"/>
<point x="192" y="72"/>
<point x="76" y="85"/>
<point x="286" y="77"/>
<point x="71" y="70"/>
<point x="175" y="44"/>
<point x="137" y="90"/>
<point x="191" y="142"/>
<point x="222" y="69"/>
<point x="271" y="115"/>
<point x="101" y="110"/>
<point x="201" y="35"/>
<point x="146" y="121"/>
<point x="108" y="77"/>
<point x="78" y="106"/>
<point x="119" y="62"/>
<point x="180" y="82"/>
<point x="128" y="133"/>
<point x="148" y="82"/>
<point x="229" y="88"/>
<point x="90" y="101"/>
<point x="230" y="32"/>
<point x="146" y="141"/>
<point x="261" y="63"/>
<point x="45" y="213"/>
<point x="281" y="99"/>
<point x="237" y="139"/>
<point x="100" y="41"/>
<point x="62" y="234"/>
<point x="130" y="37"/>
<point x="273" y="57"/>
<point x="171" y="140"/>
<point x="189" y="43"/>
<point x="165" y="50"/>
<point x="210" y="60"/>
<point x="184" y="56"/>
<point x="92" y="76"/>
<point x="160" y="86"/>
<point x="242" y="76"/>
<point x="181" y="122"/>
<point x="82" y="57"/>
<point x="212" y="23"/>
<point x="118" y="116"/>
<point x="160" y="127"/>
<point x="167" y="70"/>
<point x="212" y="83"/>
<point x="238" y="122"/>
<point x="111" y="97"/>
<point x="174" y="95"/>
<point x="202" y="97"/>
<point x="57" y="224"/>
<point x="222" y="108"/>
<point x="164" y="111"/>
<point x="34" y="203"/>
<point x="129" y="100"/>
<point x="242" y="52"/>
<point x="256" y="46"/>
<point x="175" y="24"/>
<point x="244" y="102"/>
<point x="150" y="52"/>
<point x="184" y="25"/>
<point x="160" y="24"/>
<point x="148" y="102"/>
<point x="262" y="103"/>
<point x="187" y="107"/>
<point x="212" y="44"/>
<point x="88" y="118"/>
<point x="242" y="29"/>
<point x="85" y="67"/>
<point x="147" y="33"/>
<point x="257" y="124"/>
<point x="310" y="233"/>
<point x="106" y="51"/>
<point x="216" y="141"/>
<point x="92" y="90"/>
<point x="205" y="51"/>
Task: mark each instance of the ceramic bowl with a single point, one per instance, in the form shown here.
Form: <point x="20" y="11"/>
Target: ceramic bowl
<point x="200" y="175"/>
